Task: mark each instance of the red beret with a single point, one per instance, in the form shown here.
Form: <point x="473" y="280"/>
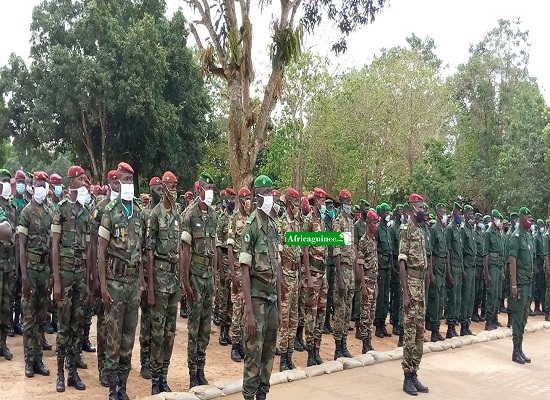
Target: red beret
<point x="371" y="214"/>
<point x="244" y="191"/>
<point x="144" y="196"/>
<point x="345" y="194"/>
<point x="230" y="191"/>
<point x="87" y="181"/>
<point x="40" y="175"/>
<point x="305" y="203"/>
<point x="292" y="192"/>
<point x="55" y="179"/>
<point x="222" y="193"/>
<point x="319" y="192"/>
<point x="155" y="180"/>
<point x="197" y="186"/>
<point x="169" y="177"/>
<point x="20" y="174"/>
<point x="112" y="175"/>
<point x="125" y="167"/>
<point x="105" y="189"/>
<point x="188" y="194"/>
<point x="275" y="192"/>
<point x="415" y="197"/>
<point x="75" y="171"/>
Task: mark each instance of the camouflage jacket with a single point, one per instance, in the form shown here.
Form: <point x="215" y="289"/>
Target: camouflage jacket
<point x="222" y="229"/>
<point x="97" y="215"/>
<point x="344" y="223"/>
<point x="368" y="248"/>
<point x="7" y="247"/>
<point x="260" y="251"/>
<point x="35" y="222"/>
<point x="359" y="229"/>
<point x="313" y="223"/>
<point x="288" y="253"/>
<point x="72" y="222"/>
<point x="412" y="247"/>
<point x="235" y="232"/>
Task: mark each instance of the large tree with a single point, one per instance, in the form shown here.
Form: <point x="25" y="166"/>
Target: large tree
<point x="229" y="55"/>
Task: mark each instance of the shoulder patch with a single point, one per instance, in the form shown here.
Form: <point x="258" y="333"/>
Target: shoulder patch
<point x="516" y="234"/>
<point x="251" y="218"/>
<point x="111" y="205"/>
<point x="62" y="201"/>
<point x="138" y="203"/>
<point x="246" y="237"/>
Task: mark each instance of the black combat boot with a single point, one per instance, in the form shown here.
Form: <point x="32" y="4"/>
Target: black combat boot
<point x="289" y="362"/>
<point x="241" y="350"/>
<point x="317" y="356"/>
<point x="419" y="386"/>
<point x="538" y="311"/>
<point x="408" y="385"/>
<point x="184" y="313"/>
<point x="482" y="315"/>
<point x="48" y="327"/>
<point x="145" y="371"/>
<point x="4" y="350"/>
<point x="310" y="358"/>
<point x="87" y="346"/>
<point x="439" y="335"/>
<point x="163" y="384"/>
<point x="122" y="395"/>
<point x="516" y="355"/>
<point x="475" y="315"/>
<point x="299" y="344"/>
<point x="433" y="336"/>
<point x="216" y="318"/>
<point x="223" y="339"/>
<point x="468" y="331"/>
<point x="60" y="382"/>
<point x="337" y="349"/>
<point x="261" y="396"/>
<point x="401" y="335"/>
<point x="73" y="379"/>
<point x="451" y="333"/>
<point x="395" y="329"/>
<point x="113" y="393"/>
<point x="193" y="379"/>
<point x="235" y="355"/>
<point x="103" y="380"/>
<point x="155" y="385"/>
<point x="357" y="331"/>
<point x="379" y="332"/>
<point x="525" y="358"/>
<point x="547" y="317"/>
<point x="29" y="369"/>
<point x="384" y="330"/>
<point x="345" y="352"/>
<point x="200" y="377"/>
<point x="40" y="368"/>
<point x="367" y="345"/>
<point x="282" y="364"/>
<point x="45" y="344"/>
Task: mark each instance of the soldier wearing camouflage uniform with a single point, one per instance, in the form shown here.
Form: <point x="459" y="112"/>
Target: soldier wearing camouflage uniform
<point x="69" y="256"/>
<point x="199" y="242"/>
<point x="95" y="222"/>
<point x="164" y="260"/>
<point x="345" y="260"/>
<point x="330" y="216"/>
<point x="299" y="344"/>
<point x="234" y="239"/>
<point x="359" y="230"/>
<point x="220" y="211"/>
<point x="261" y="272"/>
<point x="290" y="266"/>
<point x="413" y="264"/>
<point x="316" y="291"/>
<point x="120" y="274"/>
<point x="367" y="276"/>
<point x="225" y="307"/>
<point x="34" y="248"/>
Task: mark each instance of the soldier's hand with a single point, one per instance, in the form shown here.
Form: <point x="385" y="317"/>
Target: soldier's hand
<point x="450" y="278"/>
<point x="432" y="281"/>
<point x="190" y="295"/>
<point x="26" y="288"/>
<point x="280" y="318"/>
<point x="107" y="300"/>
<point x="235" y="285"/>
<point x="96" y="287"/>
<point x="251" y="325"/>
<point x="515" y="293"/>
<point x="151" y="298"/>
<point x="309" y="283"/>
<point x="406" y="302"/>
<point x="488" y="281"/>
<point x="341" y="287"/>
<point x="57" y="292"/>
<point x="464" y="277"/>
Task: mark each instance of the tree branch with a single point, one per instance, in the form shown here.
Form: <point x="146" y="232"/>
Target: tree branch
<point x="206" y="21"/>
<point x="196" y="34"/>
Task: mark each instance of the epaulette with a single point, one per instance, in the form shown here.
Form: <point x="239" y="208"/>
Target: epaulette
<point x="109" y="207"/>
<point x="251" y="218"/>
<point x="138" y="203"/>
<point x="62" y="201"/>
<point x="516" y="234"/>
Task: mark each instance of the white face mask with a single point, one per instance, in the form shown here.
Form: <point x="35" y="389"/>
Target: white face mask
<point x="127" y="191"/>
<point x="81" y="194"/>
<point x="29" y="189"/>
<point x="208" y="197"/>
<point x="40" y="194"/>
<point x="387" y="218"/>
<point x="114" y="195"/>
<point x="6" y="190"/>
<point x="267" y="205"/>
<point x="444" y="219"/>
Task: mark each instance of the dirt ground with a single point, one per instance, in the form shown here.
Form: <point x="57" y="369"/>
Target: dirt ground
<point x="14" y="384"/>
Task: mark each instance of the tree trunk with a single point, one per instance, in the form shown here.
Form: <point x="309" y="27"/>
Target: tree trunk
<point x="103" y="123"/>
<point x="89" y="146"/>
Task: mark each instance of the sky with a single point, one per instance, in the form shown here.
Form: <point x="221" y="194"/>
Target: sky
<point x="453" y="24"/>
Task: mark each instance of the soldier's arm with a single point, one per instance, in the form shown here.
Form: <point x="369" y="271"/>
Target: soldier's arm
<point x="230" y="244"/>
<point x="56" y="240"/>
<point x="245" y="261"/>
<point x="150" y="241"/>
<point x="104" y="234"/>
<point x="187" y="239"/>
<point x="403" y="257"/>
<point x="337" y="254"/>
<point x="513" y="250"/>
<point x="23" y="230"/>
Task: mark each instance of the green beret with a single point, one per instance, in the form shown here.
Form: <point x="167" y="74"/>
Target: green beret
<point x="540" y="222"/>
<point x="431" y="216"/>
<point x="206" y="177"/>
<point x="486" y="218"/>
<point x="478" y="215"/>
<point x="524" y="211"/>
<point x="406" y="204"/>
<point x="356" y="207"/>
<point x="506" y="222"/>
<point x="398" y="206"/>
<point x="468" y="207"/>
<point x="378" y="208"/>
<point x="457" y="206"/>
<point x="514" y="215"/>
<point x="5" y="172"/>
<point x="329" y="201"/>
<point x="263" y="181"/>
<point x="29" y="175"/>
<point x="496" y="213"/>
<point x="364" y="202"/>
<point x="384" y="207"/>
<point x="440" y="205"/>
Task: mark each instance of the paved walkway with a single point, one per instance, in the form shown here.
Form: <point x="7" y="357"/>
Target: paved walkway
<point x="480" y="371"/>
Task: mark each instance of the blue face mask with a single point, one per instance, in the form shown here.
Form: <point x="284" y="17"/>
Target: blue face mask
<point x="541" y="231"/>
<point x="230" y="206"/>
<point x="458" y="219"/>
<point x="346" y="208"/>
<point x="20" y="187"/>
<point x="58" y="190"/>
<point x="88" y="199"/>
<point x="331" y="213"/>
<point x="224" y="203"/>
<point x="323" y="210"/>
<point x="402" y="218"/>
<point x="516" y="226"/>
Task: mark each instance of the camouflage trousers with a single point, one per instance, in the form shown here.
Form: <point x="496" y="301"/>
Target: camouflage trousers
<point x="302" y="290"/>
<point x="342" y="303"/>
<point x="121" y="323"/>
<point x="238" y="304"/>
<point x="368" y="308"/>
<point x="101" y="334"/>
<point x="225" y="307"/>
<point x="70" y="313"/>
<point x="163" y="331"/>
<point x="35" y="311"/>
<point x="314" y="309"/>
<point x="6" y="298"/>
<point x="289" y="309"/>
<point x="260" y="352"/>
<point x="413" y="325"/>
<point x="145" y="333"/>
<point x="199" y="321"/>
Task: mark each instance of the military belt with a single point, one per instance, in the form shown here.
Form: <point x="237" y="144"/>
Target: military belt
<point x="120" y="267"/>
<point x="37" y="258"/>
<point x="262" y="286"/>
<point x="74" y="261"/>
<point x="415" y="273"/>
<point x="494" y="254"/>
<point x="204" y="261"/>
<point x="165" y="266"/>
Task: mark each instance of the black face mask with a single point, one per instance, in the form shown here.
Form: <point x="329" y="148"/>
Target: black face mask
<point x="156" y="197"/>
<point x="420" y="216"/>
<point x="230" y="206"/>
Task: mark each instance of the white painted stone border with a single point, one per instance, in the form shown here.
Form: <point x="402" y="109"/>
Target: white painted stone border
<point x="228" y="387"/>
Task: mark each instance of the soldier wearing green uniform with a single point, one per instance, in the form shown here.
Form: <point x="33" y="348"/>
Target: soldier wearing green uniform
<point x="34" y="248"/>
<point x="493" y="252"/>
<point x="413" y="264"/>
<point x="454" y="270"/>
<point x="385" y="263"/>
<point x="330" y="216"/>
<point x="359" y="229"/>
<point x="95" y="222"/>
<point x="199" y="242"/>
<point x="539" y="277"/>
<point x="155" y="189"/>
<point x="437" y="271"/>
<point x="468" y="270"/>
<point x="546" y="242"/>
<point x="504" y="289"/>
<point x="261" y="272"/>
<point x="70" y="252"/>
<point x="120" y="275"/>
<point x="395" y="285"/>
<point x="480" y="292"/>
<point x="521" y="251"/>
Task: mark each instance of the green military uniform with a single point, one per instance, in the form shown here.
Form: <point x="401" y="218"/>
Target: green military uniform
<point x="225" y="307"/>
<point x="504" y="289"/>
<point x="164" y="228"/>
<point x="480" y="289"/>
<point x="395" y="284"/>
<point x="540" y="276"/>
<point x="436" y="295"/>
<point x="546" y="249"/>
<point x="384" y="250"/>
<point x="145" y="323"/>
<point x="7" y="275"/>
<point x="455" y="250"/>
<point x="468" y="286"/>
<point x="260" y="253"/>
<point x="494" y="250"/>
<point x="35" y="223"/>
<point x="122" y="228"/>
<point x="199" y="231"/>
<point x="359" y="229"/>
